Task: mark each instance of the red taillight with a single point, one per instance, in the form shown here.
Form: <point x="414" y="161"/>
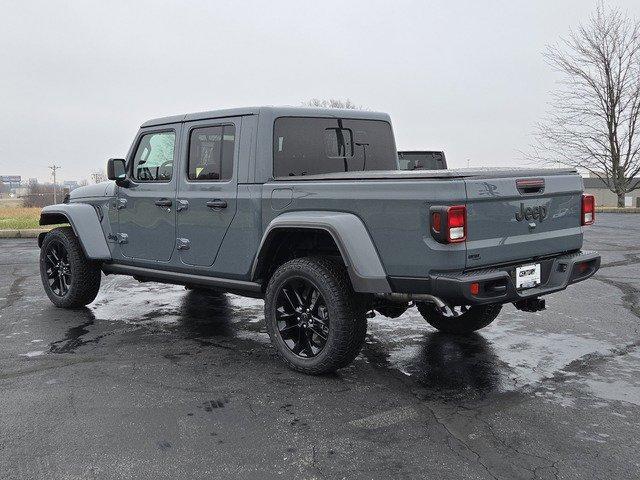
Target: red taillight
<point x="583" y="267"/>
<point x="456" y="224"/>
<point x="448" y="224"/>
<point x="436" y="221"/>
<point x="588" y="209"/>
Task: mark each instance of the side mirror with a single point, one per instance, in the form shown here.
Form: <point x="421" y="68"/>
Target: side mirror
<point x="116" y="170"/>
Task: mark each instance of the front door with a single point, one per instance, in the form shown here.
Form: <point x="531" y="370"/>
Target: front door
<point x="146" y="208"/>
<point x="207" y="192"/>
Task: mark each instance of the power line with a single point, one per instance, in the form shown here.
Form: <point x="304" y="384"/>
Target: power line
<point x="53" y="169"/>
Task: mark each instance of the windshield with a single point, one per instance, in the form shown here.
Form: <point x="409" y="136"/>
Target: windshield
<point x="308" y="146"/>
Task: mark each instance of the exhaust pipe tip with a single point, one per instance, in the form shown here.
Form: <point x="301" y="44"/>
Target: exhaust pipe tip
<point x="413" y="297"/>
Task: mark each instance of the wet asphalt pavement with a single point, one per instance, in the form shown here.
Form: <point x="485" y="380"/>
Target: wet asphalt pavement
<point x="152" y="381"/>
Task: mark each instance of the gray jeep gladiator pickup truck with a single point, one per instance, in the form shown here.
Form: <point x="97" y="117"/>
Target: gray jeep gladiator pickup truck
<point x="308" y="209"/>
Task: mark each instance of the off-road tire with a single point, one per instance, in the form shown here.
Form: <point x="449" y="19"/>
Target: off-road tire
<point x="85" y="274"/>
<point x="475" y="318"/>
<point x="347" y="314"/>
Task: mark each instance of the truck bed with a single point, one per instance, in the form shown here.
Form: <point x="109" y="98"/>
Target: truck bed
<point x="478" y="173"/>
<point x="394" y="206"/>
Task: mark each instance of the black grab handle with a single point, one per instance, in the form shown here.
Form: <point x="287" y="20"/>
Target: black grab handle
<point x="216" y="204"/>
<point x="164" y="202"/>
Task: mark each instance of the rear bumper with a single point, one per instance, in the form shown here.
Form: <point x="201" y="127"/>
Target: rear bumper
<point x="497" y="284"/>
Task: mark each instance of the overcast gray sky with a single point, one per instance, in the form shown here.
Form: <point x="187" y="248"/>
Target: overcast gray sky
<point x="77" y="78"/>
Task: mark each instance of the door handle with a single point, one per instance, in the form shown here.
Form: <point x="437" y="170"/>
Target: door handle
<point x="216" y="204"/>
<point x="164" y="202"/>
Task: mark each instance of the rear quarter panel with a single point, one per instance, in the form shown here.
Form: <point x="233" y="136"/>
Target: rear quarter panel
<point x="395" y="214"/>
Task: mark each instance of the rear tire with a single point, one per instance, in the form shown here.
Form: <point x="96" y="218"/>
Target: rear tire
<point x="475" y="318"/>
<point x="313" y="316"/>
<point x="69" y="278"/>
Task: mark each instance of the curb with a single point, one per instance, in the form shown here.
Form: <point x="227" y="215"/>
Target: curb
<point x="617" y="210"/>
<point x="25" y="233"/>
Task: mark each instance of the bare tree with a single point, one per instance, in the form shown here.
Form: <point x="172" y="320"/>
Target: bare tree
<point x="40" y="195"/>
<point x="594" y="122"/>
<point x="334" y="103"/>
<point x="98" y="176"/>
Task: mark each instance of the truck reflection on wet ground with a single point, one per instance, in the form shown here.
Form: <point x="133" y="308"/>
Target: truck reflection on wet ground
<point x="453" y="366"/>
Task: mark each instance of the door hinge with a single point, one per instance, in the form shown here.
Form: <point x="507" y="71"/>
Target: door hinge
<point x="183" y="244"/>
<point x="121" y="203"/>
<point x="182" y="205"/>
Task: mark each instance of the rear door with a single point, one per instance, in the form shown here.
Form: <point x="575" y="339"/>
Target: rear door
<point x="146" y="214"/>
<point x="512" y="219"/>
<point x="207" y="191"/>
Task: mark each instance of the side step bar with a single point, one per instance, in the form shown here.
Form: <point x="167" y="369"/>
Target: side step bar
<point x="240" y="287"/>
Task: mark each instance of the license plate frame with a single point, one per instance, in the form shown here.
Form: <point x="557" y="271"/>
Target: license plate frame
<point x="528" y="276"/>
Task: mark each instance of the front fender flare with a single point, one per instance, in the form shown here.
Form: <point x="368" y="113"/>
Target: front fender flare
<point x="85" y="223"/>
<point x="352" y="238"/>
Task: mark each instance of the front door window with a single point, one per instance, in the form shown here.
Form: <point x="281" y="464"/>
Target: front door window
<point x="153" y="161"/>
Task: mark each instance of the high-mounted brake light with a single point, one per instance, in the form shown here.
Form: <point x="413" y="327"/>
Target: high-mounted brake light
<point x="448" y="224"/>
<point x="588" y="209"/>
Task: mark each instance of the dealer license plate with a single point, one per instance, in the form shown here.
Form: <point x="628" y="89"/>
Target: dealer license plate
<point x="528" y="276"/>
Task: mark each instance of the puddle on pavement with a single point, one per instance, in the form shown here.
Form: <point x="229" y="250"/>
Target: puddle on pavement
<point x="198" y="314"/>
<point x="510" y="355"/>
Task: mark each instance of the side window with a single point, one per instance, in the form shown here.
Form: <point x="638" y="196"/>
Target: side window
<point x="211" y="153"/>
<point x="308" y="146"/>
<point x="153" y="161"/>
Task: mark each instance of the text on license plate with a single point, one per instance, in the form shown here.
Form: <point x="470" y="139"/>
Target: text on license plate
<point x="528" y="276"/>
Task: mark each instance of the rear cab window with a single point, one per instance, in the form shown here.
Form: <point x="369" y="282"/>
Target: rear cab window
<point x="309" y="146"/>
<point x="211" y="153"/>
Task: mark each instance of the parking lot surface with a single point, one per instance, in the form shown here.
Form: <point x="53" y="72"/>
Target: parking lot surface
<point x="152" y="381"/>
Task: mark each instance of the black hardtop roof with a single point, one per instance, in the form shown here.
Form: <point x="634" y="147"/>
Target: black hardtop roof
<point x="269" y="111"/>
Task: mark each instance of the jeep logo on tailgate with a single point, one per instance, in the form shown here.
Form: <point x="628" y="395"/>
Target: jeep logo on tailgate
<point x="531" y="213"/>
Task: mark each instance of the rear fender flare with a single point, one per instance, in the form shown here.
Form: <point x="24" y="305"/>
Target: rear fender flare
<point x="360" y="256"/>
<point x="85" y="223"/>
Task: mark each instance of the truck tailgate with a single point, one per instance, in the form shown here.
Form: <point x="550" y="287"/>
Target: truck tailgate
<point x="508" y="221"/>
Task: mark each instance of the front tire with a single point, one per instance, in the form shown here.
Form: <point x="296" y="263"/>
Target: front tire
<point x="464" y="323"/>
<point x="69" y="278"/>
<point x="313" y="316"/>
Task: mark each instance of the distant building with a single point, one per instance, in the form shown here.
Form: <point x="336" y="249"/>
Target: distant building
<point x="605" y="197"/>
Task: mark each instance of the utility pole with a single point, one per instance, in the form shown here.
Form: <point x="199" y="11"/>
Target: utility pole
<point x="53" y="169"/>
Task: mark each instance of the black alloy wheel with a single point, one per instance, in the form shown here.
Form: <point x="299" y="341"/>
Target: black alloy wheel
<point x="58" y="268"/>
<point x="315" y="320"/>
<point x="69" y="278"/>
<point x="302" y="317"/>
